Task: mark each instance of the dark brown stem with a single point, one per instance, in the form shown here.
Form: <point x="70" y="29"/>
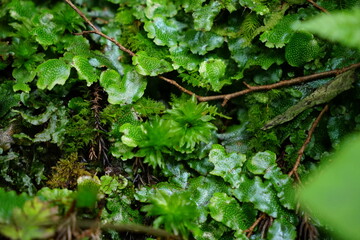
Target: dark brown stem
<point x="318" y="6"/>
<point x="97" y="31"/>
<point x="283" y="83"/>
<point x="307" y="140"/>
<point x="137" y="228"/>
<point x="253" y="226"/>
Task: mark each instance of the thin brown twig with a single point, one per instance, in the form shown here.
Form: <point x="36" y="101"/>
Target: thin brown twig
<point x="318" y="6"/>
<point x="136" y="228"/>
<point x="253" y="226"/>
<point x="283" y="83"/>
<point x="97" y="31"/>
<point x="307" y="140"/>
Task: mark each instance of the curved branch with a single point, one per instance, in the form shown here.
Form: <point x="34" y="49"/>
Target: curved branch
<point x="318" y="6"/>
<point x="307" y="141"/>
<point x="97" y="31"/>
<point x="293" y="81"/>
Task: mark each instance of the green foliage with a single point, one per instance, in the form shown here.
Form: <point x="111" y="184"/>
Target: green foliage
<point x="177" y="212"/>
<point x="227" y="210"/>
<point x="121" y="148"/>
<point x="339" y="26"/>
<point x="331" y="189"/>
<point x="52" y="72"/>
<point x="34" y="220"/>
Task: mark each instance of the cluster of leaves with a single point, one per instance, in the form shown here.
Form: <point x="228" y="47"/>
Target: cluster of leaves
<point x="199" y="170"/>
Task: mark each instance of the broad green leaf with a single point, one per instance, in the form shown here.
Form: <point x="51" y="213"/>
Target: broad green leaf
<point x="113" y="184"/>
<point x="202" y="189"/>
<point x="120" y="150"/>
<point x="133" y="135"/>
<point x="323" y="94"/>
<point x="10" y="200"/>
<point x="23" y="76"/>
<point x="117" y="211"/>
<point x="52" y="72"/>
<point x="146" y="107"/>
<point x="45" y="35"/>
<point x="301" y="49"/>
<point x="150" y="66"/>
<point x="176" y="212"/>
<point x="227" y="166"/>
<point x="39" y="119"/>
<point x="205" y="15"/>
<point x="280" y="34"/>
<point x="161" y="8"/>
<point x="191" y="5"/>
<point x="20" y="10"/>
<point x="260" y="193"/>
<point x="213" y="71"/>
<point x="35" y="220"/>
<point x="85" y="70"/>
<point x="336" y="186"/>
<point x="250" y="55"/>
<point x="182" y="57"/>
<point x="281" y="229"/>
<point x="163" y="31"/>
<point x="255" y="5"/>
<point x="87" y="191"/>
<point x="202" y="42"/>
<point x="264" y="163"/>
<point x="227" y="210"/>
<point x="211" y="231"/>
<point x="341" y="26"/>
<point x="122" y="90"/>
<point x="261" y="162"/>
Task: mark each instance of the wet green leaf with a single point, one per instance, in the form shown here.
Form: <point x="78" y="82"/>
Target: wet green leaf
<point x="331" y="188"/>
<point x="280" y="34"/>
<point x="258" y="6"/>
<point x="122" y="90"/>
<point x="111" y="184"/>
<point x="204" y="16"/>
<point x="281" y="229"/>
<point x="202" y="42"/>
<point x="227" y="166"/>
<point x="87" y="191"/>
<point x="52" y="72"/>
<point x="150" y="66"/>
<point x="260" y="193"/>
<point x="176" y="212"/>
<point x="339" y="26"/>
<point x="164" y="31"/>
<point x="10" y="200"/>
<point x="227" y="210"/>
<point x="302" y="48"/>
<point x="213" y="71"/>
<point x="85" y="70"/>
<point x="182" y="57"/>
<point x="34" y="220"/>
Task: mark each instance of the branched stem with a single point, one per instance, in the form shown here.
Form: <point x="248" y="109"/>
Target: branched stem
<point x="293" y="81"/>
<point x="318" y="6"/>
<point x="136" y="228"/>
<point x="307" y="140"/>
<point x="253" y="226"/>
<point x="97" y="31"/>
